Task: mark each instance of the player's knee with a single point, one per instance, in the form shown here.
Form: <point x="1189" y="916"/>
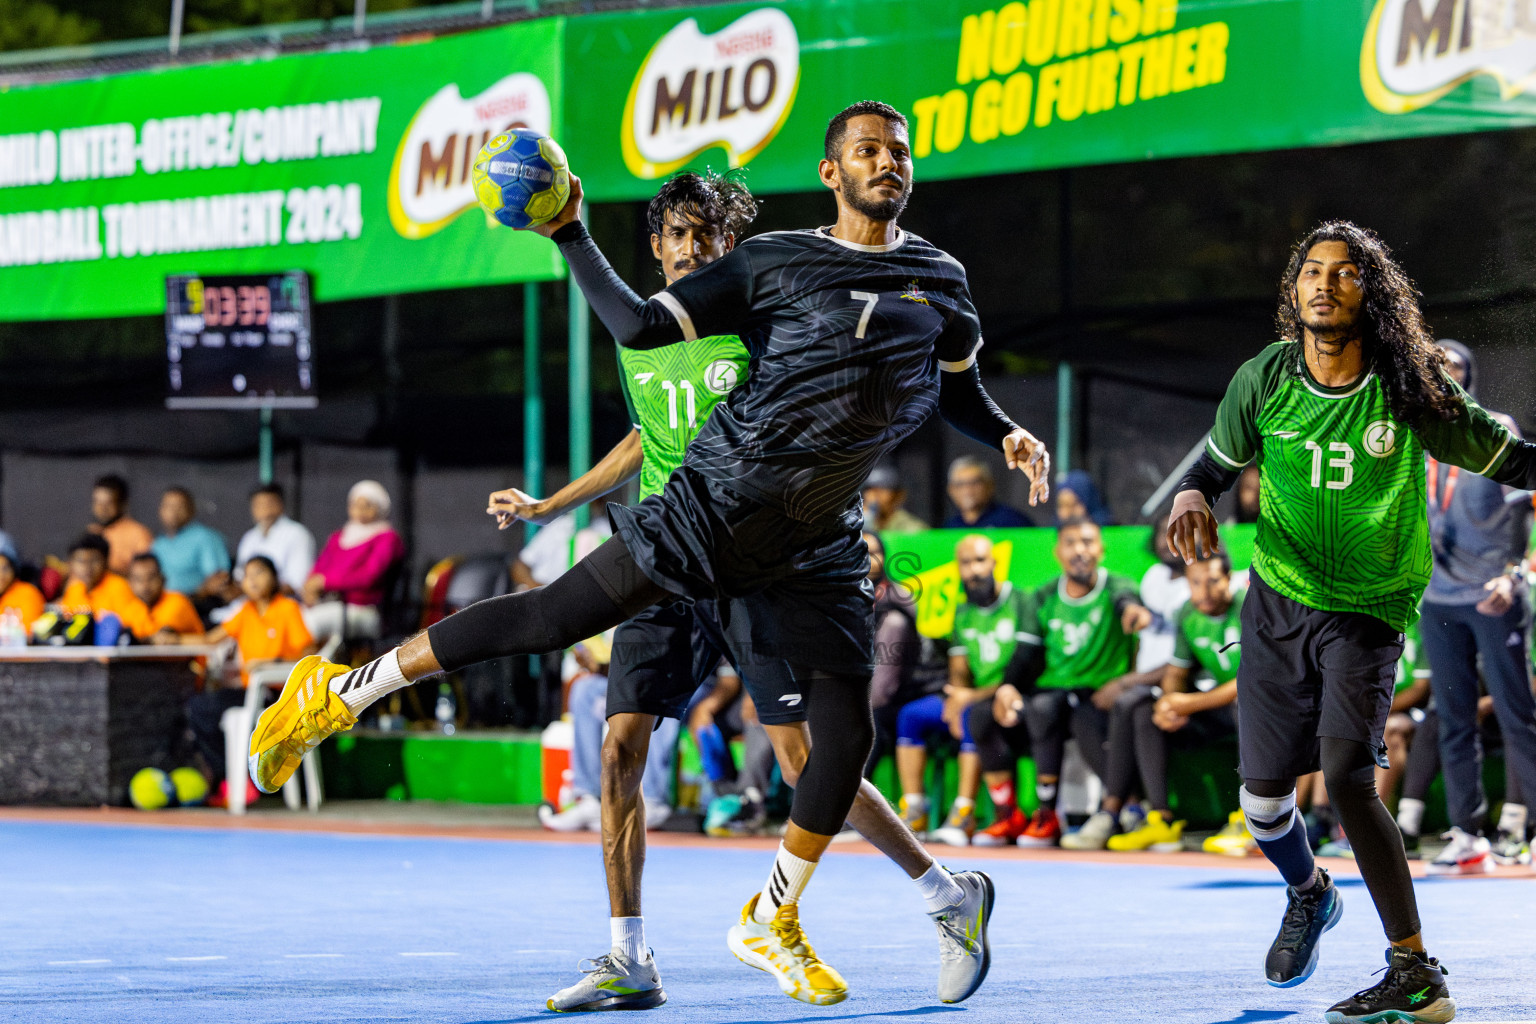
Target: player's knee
<point x="624" y="755"/>
<point x="1269" y="817"/>
<point x="1349" y="770"/>
<point x="1132" y="699"/>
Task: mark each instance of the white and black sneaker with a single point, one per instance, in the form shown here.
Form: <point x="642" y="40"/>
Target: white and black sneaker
<point x="612" y="982"/>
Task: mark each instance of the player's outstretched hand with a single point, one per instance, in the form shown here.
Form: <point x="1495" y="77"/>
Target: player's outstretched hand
<point x="1192" y="527"/>
<point x="569" y="212"/>
<point x="511" y="505"/>
<point x="1022" y="450"/>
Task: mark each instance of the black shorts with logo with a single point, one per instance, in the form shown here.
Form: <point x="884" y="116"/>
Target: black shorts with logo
<point x="787" y="591"/>
<point x="1305" y="674"/>
<point x="664" y="654"/>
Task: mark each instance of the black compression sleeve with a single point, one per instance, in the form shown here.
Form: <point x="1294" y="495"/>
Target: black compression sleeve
<point x="633" y="321"/>
<point x="1518" y="468"/>
<point x="1209" y="477"/>
<point x="1025" y="667"/>
<point x="966" y="406"/>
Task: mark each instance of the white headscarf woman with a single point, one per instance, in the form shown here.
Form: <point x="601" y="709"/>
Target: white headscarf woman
<point x="367" y="513"/>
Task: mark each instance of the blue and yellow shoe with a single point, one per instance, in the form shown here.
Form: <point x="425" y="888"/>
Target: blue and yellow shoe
<point x="306" y="713"/>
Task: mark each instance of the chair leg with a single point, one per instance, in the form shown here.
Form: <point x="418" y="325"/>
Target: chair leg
<point x="237" y="737"/>
<point x="291" y="794"/>
<point x="313" y="791"/>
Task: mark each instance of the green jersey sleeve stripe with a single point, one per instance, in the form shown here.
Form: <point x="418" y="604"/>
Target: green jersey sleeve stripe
<point x="957" y="649"/>
<point x="1222" y="456"/>
<point x="1180" y="662"/>
<point x="1498" y="456"/>
<point x="683" y="319"/>
<point x="1028" y="638"/>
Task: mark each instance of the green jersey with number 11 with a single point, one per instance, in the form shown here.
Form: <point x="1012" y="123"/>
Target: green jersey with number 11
<point x="670" y="392"/>
<point x="1342" y="521"/>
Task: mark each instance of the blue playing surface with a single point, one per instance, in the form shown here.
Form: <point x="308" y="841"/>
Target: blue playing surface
<point x="121" y="924"/>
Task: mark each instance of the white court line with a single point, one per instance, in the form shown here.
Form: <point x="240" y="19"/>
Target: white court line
<point x="429" y="954"/>
<point x="311" y="956"/>
<point x="72" y="963"/>
<point x="193" y="959"/>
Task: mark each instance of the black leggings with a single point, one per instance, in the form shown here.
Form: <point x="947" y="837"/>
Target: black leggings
<point x="1349" y="771"/>
<point x="599" y="592"/>
<point x="842" y="731"/>
<point x="1053" y="716"/>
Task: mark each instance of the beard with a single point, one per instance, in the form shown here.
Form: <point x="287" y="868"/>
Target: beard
<point x="862" y="197"/>
<point x="980" y="592"/>
<point x="1331" y="337"/>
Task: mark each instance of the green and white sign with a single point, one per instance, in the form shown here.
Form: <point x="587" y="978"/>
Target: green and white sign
<point x="353" y="166"/>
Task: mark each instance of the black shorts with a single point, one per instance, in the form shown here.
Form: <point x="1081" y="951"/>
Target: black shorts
<point x="664" y="654"/>
<point x="1305" y="674"/>
<point x="788" y="591"/>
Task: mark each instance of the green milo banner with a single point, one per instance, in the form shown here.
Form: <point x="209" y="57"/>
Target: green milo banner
<point x="991" y="87"/>
<point x="353" y="166"/>
<point x="924" y="563"/>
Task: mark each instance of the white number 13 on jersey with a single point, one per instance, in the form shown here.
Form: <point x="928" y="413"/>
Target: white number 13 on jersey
<point x="869" y="299"/>
<point x="1344" y="459"/>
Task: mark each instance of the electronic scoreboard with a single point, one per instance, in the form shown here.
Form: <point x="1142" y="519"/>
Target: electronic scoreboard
<point x="239" y="341"/>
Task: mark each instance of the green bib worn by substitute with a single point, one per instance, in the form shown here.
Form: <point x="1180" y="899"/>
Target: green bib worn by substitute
<point x="1209" y="642"/>
<point x="1084" y="644"/>
<point x="987" y="636"/>
<point x="670" y="392"/>
<point x="1342" y="523"/>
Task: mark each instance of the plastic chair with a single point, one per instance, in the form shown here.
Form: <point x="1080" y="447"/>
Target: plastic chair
<point x="239" y="722"/>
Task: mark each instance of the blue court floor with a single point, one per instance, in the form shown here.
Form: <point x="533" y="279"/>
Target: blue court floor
<point x="116" y="923"/>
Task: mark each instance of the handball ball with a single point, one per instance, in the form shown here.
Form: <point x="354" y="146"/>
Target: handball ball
<point x="521" y="179"/>
<point x="190" y="786"/>
<point x="151" y="789"/>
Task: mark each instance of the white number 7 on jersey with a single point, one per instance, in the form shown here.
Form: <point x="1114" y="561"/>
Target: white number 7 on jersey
<point x="869" y="299"/>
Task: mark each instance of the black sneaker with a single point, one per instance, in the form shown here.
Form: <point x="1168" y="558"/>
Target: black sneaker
<point x="1413" y="991"/>
<point x="1293" y="957"/>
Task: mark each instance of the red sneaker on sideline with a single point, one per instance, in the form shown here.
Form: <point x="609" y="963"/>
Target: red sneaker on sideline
<point x="1044" y="829"/>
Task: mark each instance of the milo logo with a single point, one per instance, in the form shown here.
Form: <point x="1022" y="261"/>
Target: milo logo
<point x="732" y="89"/>
<point x="1416" y="51"/>
<point x="429" y="182"/>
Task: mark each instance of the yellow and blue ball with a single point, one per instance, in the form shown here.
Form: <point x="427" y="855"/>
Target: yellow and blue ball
<point x="190" y="786"/>
<point x="151" y="789"/>
<point x="521" y="178"/>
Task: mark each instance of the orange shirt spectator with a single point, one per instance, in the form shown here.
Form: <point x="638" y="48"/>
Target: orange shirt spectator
<point x="274" y="633"/>
<point x="25" y="599"/>
<point x="164" y="610"/>
<point x="125" y="536"/>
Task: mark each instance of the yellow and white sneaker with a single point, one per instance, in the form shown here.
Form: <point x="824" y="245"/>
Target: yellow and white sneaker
<point x="915" y="818"/>
<point x="1157" y="834"/>
<point x="306" y="713"/>
<point x="1234" y="840"/>
<point x="781" y="948"/>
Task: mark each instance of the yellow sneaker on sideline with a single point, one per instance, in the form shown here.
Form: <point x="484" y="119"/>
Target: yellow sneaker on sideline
<point x="914" y="819"/>
<point x="1234" y="840"/>
<point x="780" y="948"/>
<point x="306" y="712"/>
<point x="1156" y="834"/>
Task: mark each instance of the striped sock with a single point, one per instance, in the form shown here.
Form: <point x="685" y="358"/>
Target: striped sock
<point x="362" y="686"/>
<point x="785" y="884"/>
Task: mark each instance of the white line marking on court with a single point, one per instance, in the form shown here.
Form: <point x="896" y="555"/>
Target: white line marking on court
<point x="311" y="956"/>
<point x="429" y="954"/>
<point x="193" y="959"/>
<point x="72" y="963"/>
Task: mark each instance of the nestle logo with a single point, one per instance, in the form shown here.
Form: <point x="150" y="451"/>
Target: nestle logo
<point x="503" y="106"/>
<point x="512" y="169"/>
<point x="746" y="42"/>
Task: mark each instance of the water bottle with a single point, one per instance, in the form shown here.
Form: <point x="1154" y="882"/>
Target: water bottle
<point x="12" y="632"/>
<point x="446" y="709"/>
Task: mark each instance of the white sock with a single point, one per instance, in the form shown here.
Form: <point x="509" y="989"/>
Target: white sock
<point x="916" y="803"/>
<point x="362" y="686"/>
<point x="963" y="803"/>
<point x="785" y="884"/>
<point x="938" y="887"/>
<point x="1410" y="815"/>
<point x="629" y="937"/>
<point x="1512" y="819"/>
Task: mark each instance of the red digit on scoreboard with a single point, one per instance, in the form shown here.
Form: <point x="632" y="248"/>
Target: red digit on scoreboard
<point x="263" y="303"/>
<point x="230" y="305"/>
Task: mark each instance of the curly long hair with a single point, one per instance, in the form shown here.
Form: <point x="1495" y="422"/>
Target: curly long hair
<point x="1395" y="340"/>
<point x="710" y="198"/>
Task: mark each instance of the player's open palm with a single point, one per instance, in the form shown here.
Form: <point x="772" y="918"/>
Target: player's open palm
<point x="1023" y="451"/>
<point x="1192" y="527"/>
<point x="569" y="212"/>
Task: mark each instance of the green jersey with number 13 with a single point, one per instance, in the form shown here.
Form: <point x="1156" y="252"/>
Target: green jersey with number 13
<point x="670" y="392"/>
<point x="1342" y="523"/>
